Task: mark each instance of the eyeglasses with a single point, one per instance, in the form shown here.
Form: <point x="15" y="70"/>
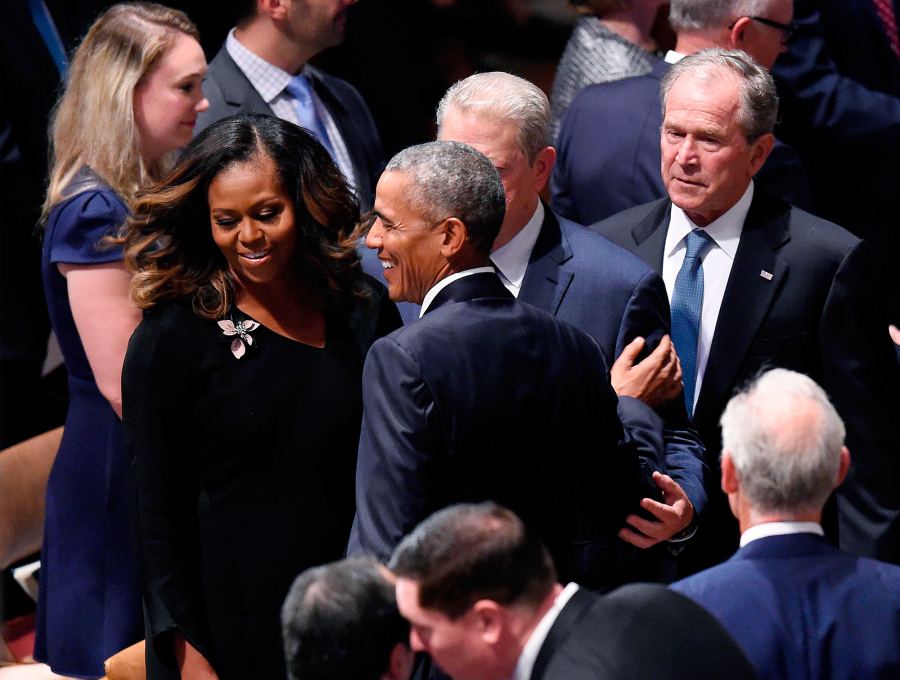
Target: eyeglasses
<point x="787" y="29"/>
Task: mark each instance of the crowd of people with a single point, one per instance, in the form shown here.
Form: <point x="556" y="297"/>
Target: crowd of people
<point x="596" y="385"/>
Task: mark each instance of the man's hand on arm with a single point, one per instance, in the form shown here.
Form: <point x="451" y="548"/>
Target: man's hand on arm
<point x="671" y="517"/>
<point x="654" y="380"/>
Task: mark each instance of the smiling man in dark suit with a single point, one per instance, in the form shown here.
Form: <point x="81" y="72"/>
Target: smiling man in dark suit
<point x="483" y="397"/>
<point x="262" y="68"/>
<point x="754" y="282"/>
<point x="582" y="278"/>
<point x="799" y="607"/>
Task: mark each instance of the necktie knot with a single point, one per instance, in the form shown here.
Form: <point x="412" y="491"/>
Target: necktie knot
<point x="696" y="243"/>
<point x="298" y="87"/>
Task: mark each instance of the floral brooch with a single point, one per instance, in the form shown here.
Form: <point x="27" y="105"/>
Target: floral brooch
<point x="242" y="330"/>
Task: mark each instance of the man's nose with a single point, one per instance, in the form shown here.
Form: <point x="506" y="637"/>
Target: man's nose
<point x="373" y="238"/>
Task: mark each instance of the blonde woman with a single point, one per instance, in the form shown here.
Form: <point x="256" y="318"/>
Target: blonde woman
<point x="133" y="94"/>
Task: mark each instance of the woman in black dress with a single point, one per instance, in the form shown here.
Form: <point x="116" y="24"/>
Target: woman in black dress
<point x="242" y="389"/>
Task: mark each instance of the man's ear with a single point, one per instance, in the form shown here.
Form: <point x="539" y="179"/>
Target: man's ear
<point x="759" y="152"/>
<point x="543" y="166"/>
<point x="400" y="663"/>
<point x="844" y="467"/>
<point x="454" y="234"/>
<point x="729" y="473"/>
<point x="490" y="619"/>
<point x="277" y="10"/>
<point x="738" y="33"/>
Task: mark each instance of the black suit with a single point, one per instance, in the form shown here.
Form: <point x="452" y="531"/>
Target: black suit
<point x="488" y="398"/>
<point x="801" y="295"/>
<point x="229" y="93"/>
<point x="638" y="632"/>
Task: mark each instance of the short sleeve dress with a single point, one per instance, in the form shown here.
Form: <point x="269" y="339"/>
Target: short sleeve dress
<point x="89" y="606"/>
<point x="244" y="445"/>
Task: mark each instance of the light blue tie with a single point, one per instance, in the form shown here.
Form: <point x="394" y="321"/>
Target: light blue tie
<point x="300" y="90"/>
<point x="687" y="306"/>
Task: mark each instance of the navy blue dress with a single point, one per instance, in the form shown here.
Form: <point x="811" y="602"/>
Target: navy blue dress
<point x="89" y="605"/>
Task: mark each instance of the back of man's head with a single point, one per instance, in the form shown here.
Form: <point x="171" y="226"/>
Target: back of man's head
<point x="785" y="440"/>
<point x="450" y="179"/>
<point x="506" y="97"/>
<point x="472" y="552"/>
<point x="341" y="621"/>
<point x="706" y="15"/>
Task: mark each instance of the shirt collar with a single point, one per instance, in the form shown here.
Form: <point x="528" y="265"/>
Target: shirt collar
<point x="446" y="281"/>
<point x="779" y="529"/>
<point x="512" y="258"/>
<point x="673" y="57"/>
<point x="532" y="647"/>
<point x="268" y="79"/>
<point x="724" y="231"/>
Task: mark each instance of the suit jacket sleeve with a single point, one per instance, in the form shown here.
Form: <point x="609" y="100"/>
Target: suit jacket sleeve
<point x="860" y="374"/>
<point x="647" y="316"/>
<point x="400" y="451"/>
<point x="836" y="108"/>
<point x="157" y="404"/>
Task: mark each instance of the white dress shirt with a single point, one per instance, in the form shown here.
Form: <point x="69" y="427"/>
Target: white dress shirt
<point x="726" y="234"/>
<point x="532" y="647"/>
<point x="512" y="258"/>
<point x="271" y="81"/>
<point x="446" y="281"/>
<point x="780" y="529"/>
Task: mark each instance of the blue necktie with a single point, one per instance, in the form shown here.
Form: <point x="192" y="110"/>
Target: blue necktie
<point x="687" y="306"/>
<point x="45" y="26"/>
<point x="300" y="90"/>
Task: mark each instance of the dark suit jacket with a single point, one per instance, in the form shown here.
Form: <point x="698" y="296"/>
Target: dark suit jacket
<point x="803" y="610"/>
<point x="613" y="296"/>
<point x="820" y="313"/>
<point x="638" y="632"/>
<point x="839" y="90"/>
<point x="609" y="157"/>
<point x="488" y="398"/>
<point x="229" y="93"/>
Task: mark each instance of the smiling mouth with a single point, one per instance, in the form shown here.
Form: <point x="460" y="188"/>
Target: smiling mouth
<point x="254" y="256"/>
<point x="387" y="265"/>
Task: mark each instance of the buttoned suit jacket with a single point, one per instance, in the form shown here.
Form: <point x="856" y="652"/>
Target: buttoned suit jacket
<point x="600" y="288"/>
<point x="609" y="155"/>
<point x="801" y="295"/>
<point x="486" y="398"/>
<point x="230" y="92"/>
<point x="803" y="610"/>
<point x="637" y="632"/>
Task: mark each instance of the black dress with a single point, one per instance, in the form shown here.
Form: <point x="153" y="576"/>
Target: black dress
<point x="244" y="472"/>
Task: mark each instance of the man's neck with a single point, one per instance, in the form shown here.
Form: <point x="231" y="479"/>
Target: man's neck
<point x="750" y="518"/>
<point x="266" y="41"/>
<point x="689" y="42"/>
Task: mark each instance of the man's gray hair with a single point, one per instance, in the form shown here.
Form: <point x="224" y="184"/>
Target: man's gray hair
<point x="759" y="101"/>
<point x="702" y="15"/>
<point x="504" y="96"/>
<point x="451" y="179"/>
<point x="785" y="440"/>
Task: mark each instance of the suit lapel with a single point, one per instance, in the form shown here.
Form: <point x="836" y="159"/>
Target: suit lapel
<point x="237" y="91"/>
<point x="756" y="275"/>
<point x="575" y="608"/>
<point x="546" y="281"/>
<point x="650" y="235"/>
<point x="468" y="288"/>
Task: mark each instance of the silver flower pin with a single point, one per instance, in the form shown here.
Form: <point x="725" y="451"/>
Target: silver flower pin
<point x="242" y="330"/>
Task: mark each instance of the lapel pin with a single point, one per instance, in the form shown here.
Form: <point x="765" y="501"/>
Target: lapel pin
<point x="766" y="275"/>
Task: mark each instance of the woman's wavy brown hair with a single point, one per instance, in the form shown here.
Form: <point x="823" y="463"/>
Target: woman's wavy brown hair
<point x="168" y="241"/>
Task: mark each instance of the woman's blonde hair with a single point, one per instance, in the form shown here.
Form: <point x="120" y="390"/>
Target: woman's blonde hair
<point x="93" y="122"/>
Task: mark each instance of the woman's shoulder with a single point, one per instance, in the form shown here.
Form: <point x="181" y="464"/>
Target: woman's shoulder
<point x="376" y="316"/>
<point x="89" y="211"/>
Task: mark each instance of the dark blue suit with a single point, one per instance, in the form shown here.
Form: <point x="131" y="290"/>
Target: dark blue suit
<point x="802" y="294"/>
<point x="609" y="157"/>
<point x="488" y="398"/>
<point x="229" y="93"/>
<point x="584" y="279"/>
<point x="802" y="610"/>
<point x="839" y="86"/>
